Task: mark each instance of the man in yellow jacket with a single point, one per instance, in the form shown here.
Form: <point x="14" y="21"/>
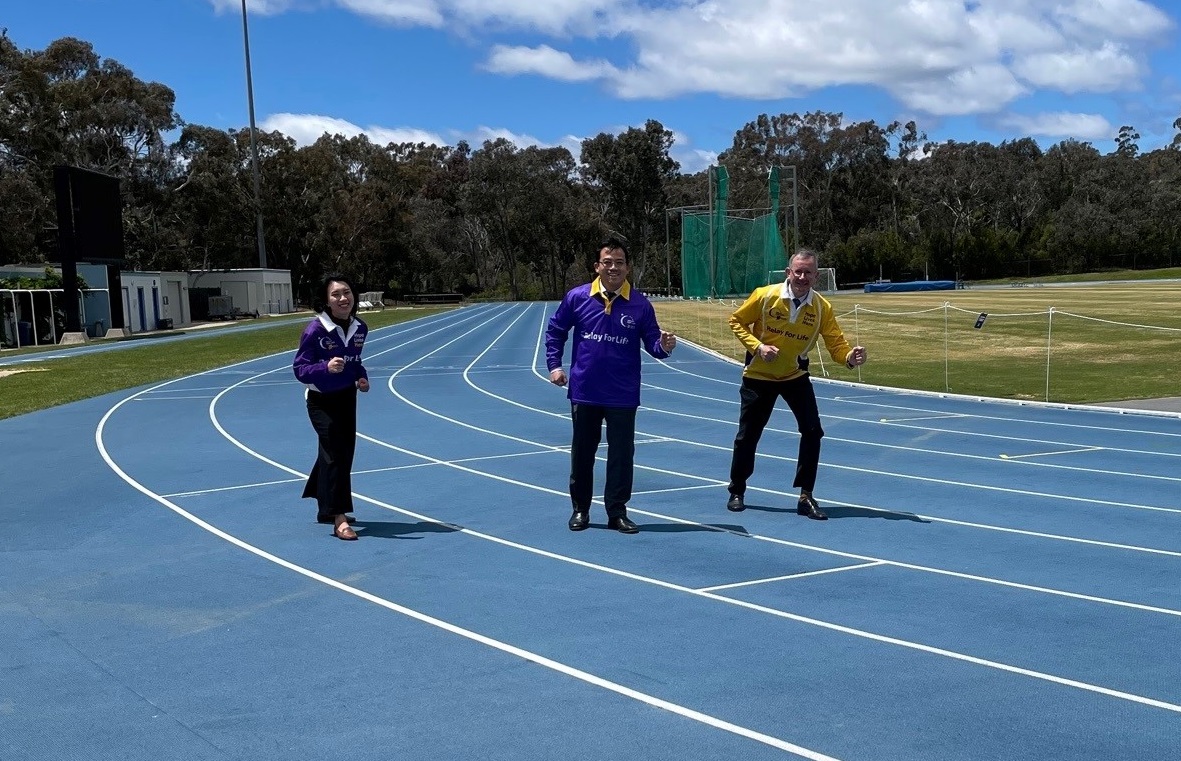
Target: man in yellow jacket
<point x="779" y="324"/>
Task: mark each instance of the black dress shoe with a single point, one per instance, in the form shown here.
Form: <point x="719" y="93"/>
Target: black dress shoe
<point x="735" y="504"/>
<point x="621" y="524"/>
<point x="807" y="506"/>
<point x="579" y="520"/>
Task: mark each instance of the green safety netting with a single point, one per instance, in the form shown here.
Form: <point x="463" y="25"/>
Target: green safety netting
<point x="726" y="255"/>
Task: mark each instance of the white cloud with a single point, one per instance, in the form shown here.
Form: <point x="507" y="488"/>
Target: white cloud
<point x="558" y="17"/>
<point x="400" y="12"/>
<point x="477" y="137"/>
<point x="940" y="57"/>
<point x="255" y="7"/>
<point x="306" y="129"/>
<point x="1106" y="69"/>
<point x="1111" y="18"/>
<point x="553" y="16"/>
<point x="694" y="160"/>
<point x="545" y="61"/>
<point x="974" y="90"/>
<point x="937" y="58"/>
<point x="1060" y="125"/>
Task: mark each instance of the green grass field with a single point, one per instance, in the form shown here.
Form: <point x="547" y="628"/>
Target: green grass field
<point x="1102" y="342"/>
<point x="69" y="379"/>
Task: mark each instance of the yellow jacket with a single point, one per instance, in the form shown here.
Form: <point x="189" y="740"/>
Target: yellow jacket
<point x="766" y="318"/>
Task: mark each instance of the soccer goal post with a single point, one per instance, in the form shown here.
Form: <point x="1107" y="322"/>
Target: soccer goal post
<point x="826" y="282"/>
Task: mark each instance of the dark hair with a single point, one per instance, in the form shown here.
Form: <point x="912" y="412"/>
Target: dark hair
<point x="321" y="301"/>
<point x="611" y="243"/>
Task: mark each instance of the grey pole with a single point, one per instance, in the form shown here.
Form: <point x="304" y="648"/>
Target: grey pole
<point x="262" y="242"/>
<point x="668" y="267"/>
<point x="795" y="213"/>
<point x="712" y="282"/>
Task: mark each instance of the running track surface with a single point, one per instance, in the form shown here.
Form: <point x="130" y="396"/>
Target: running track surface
<point x="998" y="581"/>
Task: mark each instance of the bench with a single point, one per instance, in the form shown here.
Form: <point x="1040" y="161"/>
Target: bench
<point x="434" y="298"/>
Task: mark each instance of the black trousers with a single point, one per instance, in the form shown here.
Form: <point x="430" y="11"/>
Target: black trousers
<point x="334" y="417"/>
<point x="621" y="450"/>
<point x="758" y="399"/>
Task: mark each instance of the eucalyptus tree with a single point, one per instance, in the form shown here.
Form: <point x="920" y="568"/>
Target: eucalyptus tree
<point x="211" y="206"/>
<point x="628" y="175"/>
<point x="1162" y="176"/>
<point x="517" y="201"/>
<point x="66" y="105"/>
<point x="802" y="142"/>
<point x="436" y="254"/>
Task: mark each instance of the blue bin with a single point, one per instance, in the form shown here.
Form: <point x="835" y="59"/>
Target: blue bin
<point x="24" y="333"/>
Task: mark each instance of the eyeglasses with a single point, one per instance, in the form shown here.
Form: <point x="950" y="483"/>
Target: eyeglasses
<point x="613" y="263"/>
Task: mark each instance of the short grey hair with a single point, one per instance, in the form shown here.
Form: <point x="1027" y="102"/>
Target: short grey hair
<point x="804" y="253"/>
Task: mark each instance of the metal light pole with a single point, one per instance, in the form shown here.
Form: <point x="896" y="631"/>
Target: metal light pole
<point x="262" y="242"/>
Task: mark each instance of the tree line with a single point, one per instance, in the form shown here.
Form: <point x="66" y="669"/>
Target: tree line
<point x="502" y="221"/>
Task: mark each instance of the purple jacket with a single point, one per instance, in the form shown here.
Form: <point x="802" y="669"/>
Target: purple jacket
<point x="605" y="364"/>
<point x="322" y="340"/>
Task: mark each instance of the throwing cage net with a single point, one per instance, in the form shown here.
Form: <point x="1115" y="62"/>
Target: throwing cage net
<point x="723" y="254"/>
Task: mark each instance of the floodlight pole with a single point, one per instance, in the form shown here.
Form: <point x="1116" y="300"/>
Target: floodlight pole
<point x="668" y="258"/>
<point x="262" y="243"/>
<point x="795" y="211"/>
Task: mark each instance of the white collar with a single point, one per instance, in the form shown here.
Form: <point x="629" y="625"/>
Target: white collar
<point x="786" y="294"/>
<point x="330" y="326"/>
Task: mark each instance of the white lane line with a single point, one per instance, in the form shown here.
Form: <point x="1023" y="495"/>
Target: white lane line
<point x="237" y="487"/>
<point x="992" y="418"/>
<point x="948" y="416"/>
<point x="170" y="398"/>
<point x="668" y="585"/>
<point x="824" y="550"/>
<point x="941" y="481"/>
<point x="963" y="657"/>
<point x="905" y="447"/>
<point x="1158" y="452"/>
<point x="1050" y="454"/>
<point x="367" y="471"/>
<point x="504" y="647"/>
<point x="927" y="569"/>
<point x="788" y="577"/>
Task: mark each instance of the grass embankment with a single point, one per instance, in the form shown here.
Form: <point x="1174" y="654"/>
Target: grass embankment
<point x="39" y="385"/>
<point x="1104" y="342"/>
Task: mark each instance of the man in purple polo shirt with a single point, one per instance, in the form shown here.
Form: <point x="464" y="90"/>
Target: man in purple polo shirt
<point x="611" y="322"/>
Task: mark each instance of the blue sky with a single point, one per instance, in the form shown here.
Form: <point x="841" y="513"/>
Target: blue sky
<point x="553" y="72"/>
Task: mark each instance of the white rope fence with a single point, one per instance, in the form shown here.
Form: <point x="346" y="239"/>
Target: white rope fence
<point x="947" y="308"/>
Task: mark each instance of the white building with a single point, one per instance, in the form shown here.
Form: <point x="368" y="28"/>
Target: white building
<point x="154" y="300"/>
<point x="151" y="300"/>
<point x="261" y="291"/>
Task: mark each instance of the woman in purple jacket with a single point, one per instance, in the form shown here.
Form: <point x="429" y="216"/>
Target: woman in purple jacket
<point x="328" y="362"/>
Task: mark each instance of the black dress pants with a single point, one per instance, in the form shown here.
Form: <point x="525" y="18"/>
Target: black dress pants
<point x="621" y="449"/>
<point x="758" y="399"/>
<point x="334" y="417"/>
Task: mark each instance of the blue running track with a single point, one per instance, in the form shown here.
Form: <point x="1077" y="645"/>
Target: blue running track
<point x="998" y="581"/>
